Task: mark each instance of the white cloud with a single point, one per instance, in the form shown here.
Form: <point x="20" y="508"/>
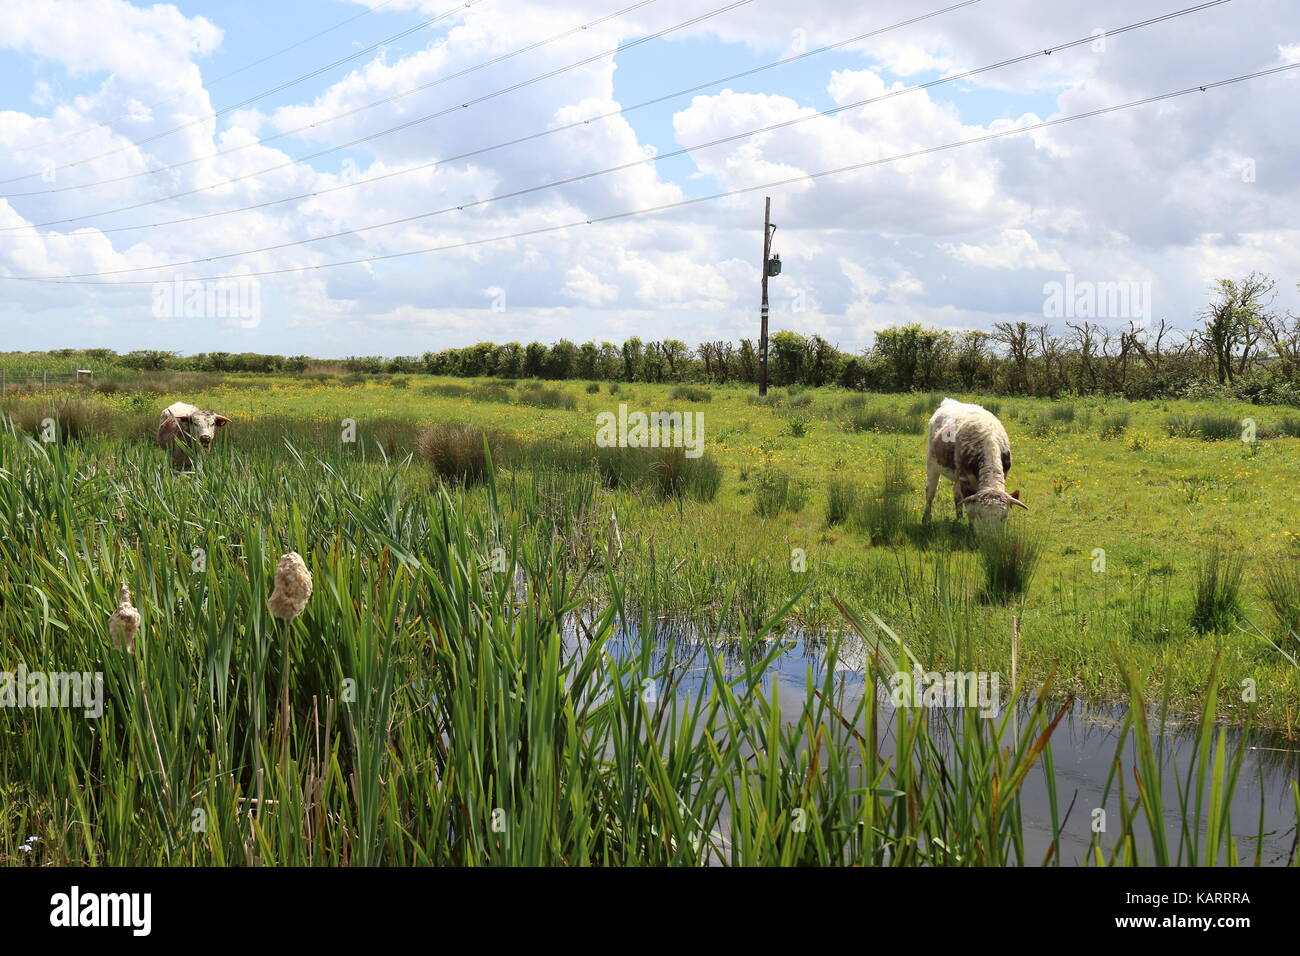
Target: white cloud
<point x="958" y="237"/>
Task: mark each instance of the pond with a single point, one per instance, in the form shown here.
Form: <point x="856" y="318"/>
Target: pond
<point x="1084" y="747"/>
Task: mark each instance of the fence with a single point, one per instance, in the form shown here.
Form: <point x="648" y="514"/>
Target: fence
<point x="44" y="379"/>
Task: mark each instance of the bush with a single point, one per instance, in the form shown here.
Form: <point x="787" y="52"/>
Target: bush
<point x="457" y="453"/>
<point x="593" y="388"/>
<point x="1217" y="600"/>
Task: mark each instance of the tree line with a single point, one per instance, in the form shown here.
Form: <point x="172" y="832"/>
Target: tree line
<point x="1241" y="346"/>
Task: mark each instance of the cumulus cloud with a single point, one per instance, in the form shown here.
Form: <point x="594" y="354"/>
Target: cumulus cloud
<point x="1176" y="193"/>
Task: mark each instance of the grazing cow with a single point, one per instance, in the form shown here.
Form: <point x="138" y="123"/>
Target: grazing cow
<point x="183" y="426"/>
<point x="968" y="445"/>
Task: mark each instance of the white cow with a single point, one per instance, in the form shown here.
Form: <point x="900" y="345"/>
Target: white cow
<point x="968" y="445"/>
<point x="181" y="426"/>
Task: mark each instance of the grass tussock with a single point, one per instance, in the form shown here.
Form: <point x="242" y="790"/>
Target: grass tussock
<point x="1009" y="555"/>
<point x="1206" y="426"/>
<point x="888" y="421"/>
<point x="1216" y="601"/>
<point x="690" y="393"/>
<point x="885" y="510"/>
<point x="842" y="497"/>
<point x="456" y="453"/>
<point x="1280" y="581"/>
<point x="776" y="491"/>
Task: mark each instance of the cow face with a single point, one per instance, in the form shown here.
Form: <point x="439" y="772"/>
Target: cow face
<point x="203" y="425"/>
<point x="990" y="508"/>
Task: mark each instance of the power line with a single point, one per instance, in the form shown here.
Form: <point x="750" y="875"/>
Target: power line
<point x="329" y="119"/>
<point x="372" y="136"/>
<point x="207" y="84"/>
<point x="477" y="152"/>
<point x="640" y="161"/>
<point x="805" y="177"/>
<point x="226" y="109"/>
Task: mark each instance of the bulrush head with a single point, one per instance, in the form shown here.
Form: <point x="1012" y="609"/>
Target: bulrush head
<point x="124" y="622"/>
<point x="292" y="587"/>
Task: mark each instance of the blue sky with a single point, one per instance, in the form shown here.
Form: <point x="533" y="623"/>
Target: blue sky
<point x="959" y="241"/>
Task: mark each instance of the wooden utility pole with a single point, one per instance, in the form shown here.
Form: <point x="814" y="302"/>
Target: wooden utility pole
<point x="762" y="335"/>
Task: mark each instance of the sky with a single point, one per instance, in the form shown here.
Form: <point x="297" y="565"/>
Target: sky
<point x="385" y="177"/>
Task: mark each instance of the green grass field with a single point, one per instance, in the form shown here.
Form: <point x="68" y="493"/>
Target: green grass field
<point x="815" y="519"/>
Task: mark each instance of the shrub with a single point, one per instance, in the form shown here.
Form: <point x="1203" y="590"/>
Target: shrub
<point x="456" y="453"/>
<point x="1010" y="554"/>
<point x="593" y="388"/>
<point x="1217" y="601"/>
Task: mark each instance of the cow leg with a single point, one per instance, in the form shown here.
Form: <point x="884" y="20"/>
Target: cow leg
<point x="931" y="486"/>
<point x="957" y="497"/>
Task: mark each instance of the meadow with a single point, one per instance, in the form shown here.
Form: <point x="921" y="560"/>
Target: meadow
<point x="450" y="695"/>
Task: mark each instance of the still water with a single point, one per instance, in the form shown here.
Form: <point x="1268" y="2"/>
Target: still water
<point x="1084" y="747"/>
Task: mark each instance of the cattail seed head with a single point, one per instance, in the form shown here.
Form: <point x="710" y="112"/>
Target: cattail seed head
<point x="292" y="587"/>
<point x="124" y="622"/>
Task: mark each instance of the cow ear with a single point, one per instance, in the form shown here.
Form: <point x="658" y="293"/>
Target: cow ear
<point x="221" y="421"/>
<point x="1016" y="494"/>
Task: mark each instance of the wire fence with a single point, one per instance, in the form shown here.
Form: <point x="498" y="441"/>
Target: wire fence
<point x="43" y="379"/>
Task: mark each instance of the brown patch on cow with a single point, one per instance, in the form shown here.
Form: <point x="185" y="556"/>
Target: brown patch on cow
<point x="970" y="459"/>
<point x="944" y="452"/>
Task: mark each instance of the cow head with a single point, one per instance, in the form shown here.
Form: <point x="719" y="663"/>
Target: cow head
<point x="991" y="507"/>
<point x="189" y="424"/>
<point x="204" y="425"/>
